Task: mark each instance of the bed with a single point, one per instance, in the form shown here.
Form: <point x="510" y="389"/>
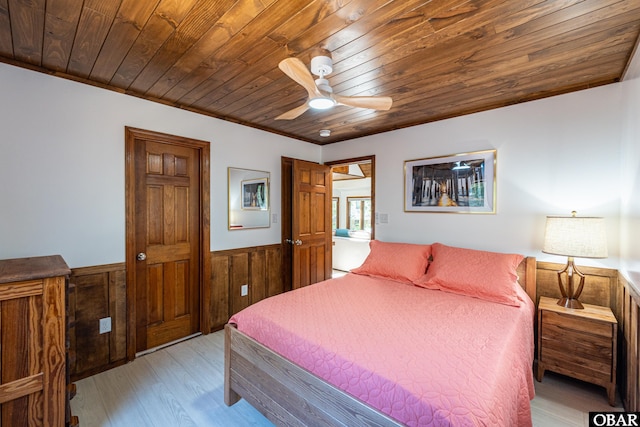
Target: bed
<point x="390" y="344"/>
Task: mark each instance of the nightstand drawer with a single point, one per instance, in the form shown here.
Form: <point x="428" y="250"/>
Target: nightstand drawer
<point x="571" y="324"/>
<point x="585" y="350"/>
<point x="594" y="346"/>
<point x="575" y="361"/>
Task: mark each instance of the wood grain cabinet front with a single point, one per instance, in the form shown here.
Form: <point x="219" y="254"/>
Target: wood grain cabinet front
<point x="578" y="343"/>
<point x="33" y="388"/>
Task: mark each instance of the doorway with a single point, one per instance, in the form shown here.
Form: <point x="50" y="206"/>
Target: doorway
<point x="167" y="238"/>
<point x="353" y="211"/>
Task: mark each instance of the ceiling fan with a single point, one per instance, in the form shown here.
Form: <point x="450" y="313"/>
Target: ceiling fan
<point x="321" y="96"/>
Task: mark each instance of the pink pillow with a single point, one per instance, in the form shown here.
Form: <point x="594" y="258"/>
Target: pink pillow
<point x="402" y="262"/>
<point x="486" y="275"/>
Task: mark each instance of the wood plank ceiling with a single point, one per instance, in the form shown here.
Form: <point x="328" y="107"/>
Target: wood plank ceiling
<point x="436" y="59"/>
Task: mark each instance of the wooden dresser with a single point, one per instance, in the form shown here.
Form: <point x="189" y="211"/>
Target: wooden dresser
<point x="33" y="389"/>
<point x="580" y="343"/>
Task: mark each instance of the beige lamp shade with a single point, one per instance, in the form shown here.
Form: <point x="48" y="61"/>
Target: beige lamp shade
<point x="579" y="237"/>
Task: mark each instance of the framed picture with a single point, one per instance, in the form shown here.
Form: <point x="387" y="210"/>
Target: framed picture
<point x="254" y="194"/>
<point x="459" y="183"/>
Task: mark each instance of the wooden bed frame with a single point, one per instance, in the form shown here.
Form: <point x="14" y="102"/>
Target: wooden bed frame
<point x="289" y="395"/>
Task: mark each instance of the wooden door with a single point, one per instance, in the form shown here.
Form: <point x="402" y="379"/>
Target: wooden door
<point x="167" y="243"/>
<point x="310" y="223"/>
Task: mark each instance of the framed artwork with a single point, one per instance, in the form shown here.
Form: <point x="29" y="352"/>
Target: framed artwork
<point x="254" y="194"/>
<point x="458" y="183"/>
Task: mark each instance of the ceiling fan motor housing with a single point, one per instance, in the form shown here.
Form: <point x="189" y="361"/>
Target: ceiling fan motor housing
<point x="321" y="66"/>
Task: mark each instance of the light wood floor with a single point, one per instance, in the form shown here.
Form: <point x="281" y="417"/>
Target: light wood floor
<point x="182" y="385"/>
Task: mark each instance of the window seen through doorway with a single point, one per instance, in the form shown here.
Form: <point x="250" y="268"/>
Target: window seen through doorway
<point x="359" y="213"/>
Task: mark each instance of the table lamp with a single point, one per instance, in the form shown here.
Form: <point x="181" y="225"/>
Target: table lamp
<point x="573" y="236"/>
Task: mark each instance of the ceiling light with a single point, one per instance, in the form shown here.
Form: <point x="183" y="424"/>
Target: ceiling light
<point x="321" y="103"/>
<point x="325" y="132"/>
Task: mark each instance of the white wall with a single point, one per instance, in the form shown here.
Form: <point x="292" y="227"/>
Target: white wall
<point x="62" y="167"/>
<point x="630" y="186"/>
<point x="554" y="155"/>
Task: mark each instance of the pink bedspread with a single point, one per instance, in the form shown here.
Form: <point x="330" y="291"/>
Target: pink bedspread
<point x="423" y="357"/>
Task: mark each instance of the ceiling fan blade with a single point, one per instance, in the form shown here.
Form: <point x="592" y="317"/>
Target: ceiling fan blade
<point x="292" y="114"/>
<point x="298" y="72"/>
<point x="373" y="102"/>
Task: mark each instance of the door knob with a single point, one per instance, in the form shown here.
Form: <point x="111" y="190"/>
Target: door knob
<point x="141" y="256"/>
<point x="298" y="242"/>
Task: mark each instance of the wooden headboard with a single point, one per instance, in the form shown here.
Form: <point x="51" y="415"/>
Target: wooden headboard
<point x="527" y="277"/>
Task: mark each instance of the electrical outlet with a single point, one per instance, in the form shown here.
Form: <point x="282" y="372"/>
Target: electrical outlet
<point x="105" y="325"/>
<point x="244" y="290"/>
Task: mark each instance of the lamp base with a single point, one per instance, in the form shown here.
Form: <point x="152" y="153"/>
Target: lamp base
<point x="570" y="292"/>
<point x="570" y="303"/>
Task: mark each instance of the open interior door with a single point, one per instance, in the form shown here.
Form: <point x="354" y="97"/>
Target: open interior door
<point x="309" y="231"/>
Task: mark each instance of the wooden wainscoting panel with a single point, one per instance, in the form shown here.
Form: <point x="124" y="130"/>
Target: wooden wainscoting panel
<point x="100" y="291"/>
<point x="258" y="262"/>
<point x="239" y="276"/>
<point x="628" y="307"/>
<point x="274" y="276"/>
<point x="266" y="273"/>
<point x="92" y="348"/>
<point x="219" y="307"/>
<point x="259" y="267"/>
<point x="118" y="313"/>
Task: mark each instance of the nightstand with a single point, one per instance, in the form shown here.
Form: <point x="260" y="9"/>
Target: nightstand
<point x="580" y="343"/>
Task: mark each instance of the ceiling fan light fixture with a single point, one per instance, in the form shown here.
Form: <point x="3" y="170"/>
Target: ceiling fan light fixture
<point x="321" y="103"/>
